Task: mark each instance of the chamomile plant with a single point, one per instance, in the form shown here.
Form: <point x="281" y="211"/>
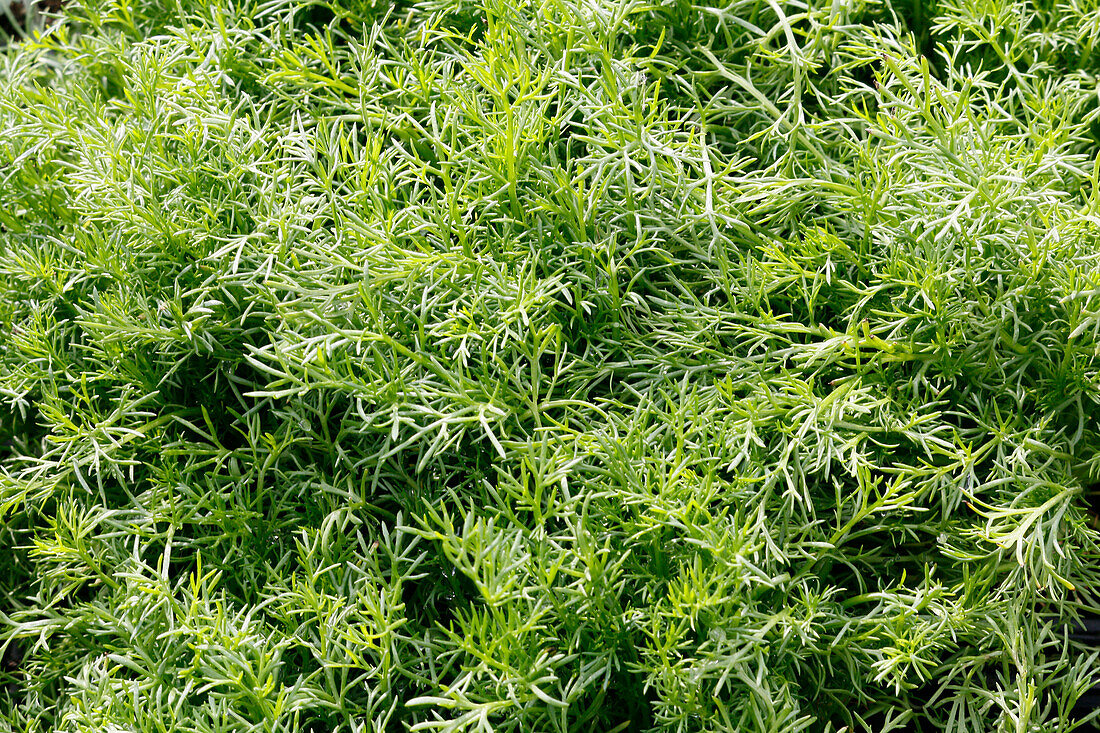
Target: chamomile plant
<point x="549" y="365"/>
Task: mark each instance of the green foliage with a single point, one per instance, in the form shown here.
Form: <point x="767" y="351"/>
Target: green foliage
<point x="516" y="365"/>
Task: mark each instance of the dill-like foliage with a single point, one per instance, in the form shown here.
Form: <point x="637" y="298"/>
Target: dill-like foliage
<point x="548" y="365"/>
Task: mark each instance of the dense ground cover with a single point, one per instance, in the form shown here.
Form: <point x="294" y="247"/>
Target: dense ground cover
<point x="548" y="365"/>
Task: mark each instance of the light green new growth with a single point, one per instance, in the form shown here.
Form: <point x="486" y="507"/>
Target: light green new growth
<point x="549" y="366"/>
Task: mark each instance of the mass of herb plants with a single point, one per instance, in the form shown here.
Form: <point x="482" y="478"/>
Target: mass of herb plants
<point x="549" y="366"/>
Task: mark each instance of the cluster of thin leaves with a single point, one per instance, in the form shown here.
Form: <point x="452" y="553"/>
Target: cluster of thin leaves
<point x="549" y="365"/>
